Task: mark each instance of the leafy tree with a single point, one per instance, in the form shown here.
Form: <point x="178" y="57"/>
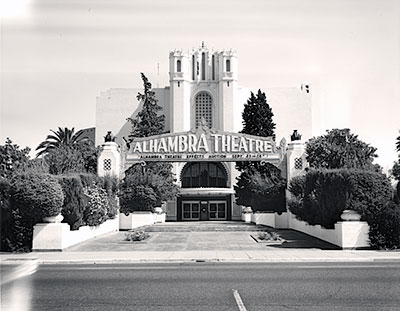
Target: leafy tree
<point x="144" y="188"/>
<point x="64" y="136"/>
<point x="12" y="158"/>
<point x="340" y="149"/>
<point x="259" y="186"/>
<point x="147" y="122"/>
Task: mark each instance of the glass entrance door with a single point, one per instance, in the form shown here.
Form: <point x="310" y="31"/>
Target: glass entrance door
<point x="190" y="210"/>
<point x="217" y="210"/>
<point x="204" y="210"/>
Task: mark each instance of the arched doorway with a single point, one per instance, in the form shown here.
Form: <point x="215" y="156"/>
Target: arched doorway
<point x="205" y="193"/>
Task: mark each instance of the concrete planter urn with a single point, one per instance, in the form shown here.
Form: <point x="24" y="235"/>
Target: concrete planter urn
<point x="246" y="214"/>
<point x="158" y="210"/>
<point x="349" y="215"/>
<point x="53" y="219"/>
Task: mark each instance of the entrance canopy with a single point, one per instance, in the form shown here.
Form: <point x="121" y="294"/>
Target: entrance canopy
<point x="203" y="145"/>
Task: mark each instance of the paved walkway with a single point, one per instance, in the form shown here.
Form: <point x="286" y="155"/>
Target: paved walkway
<point x="215" y="245"/>
<point x="199" y="241"/>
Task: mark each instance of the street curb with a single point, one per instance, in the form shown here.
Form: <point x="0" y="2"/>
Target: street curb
<point x="198" y="260"/>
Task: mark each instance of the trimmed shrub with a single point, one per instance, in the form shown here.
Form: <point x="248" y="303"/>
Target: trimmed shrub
<point x="96" y="209"/>
<point x="328" y="192"/>
<point x="397" y="193"/>
<point x="112" y="207"/>
<point x="138" y="198"/>
<point x="83" y="192"/>
<point x="75" y="200"/>
<point x="144" y="188"/>
<point x="370" y="193"/>
<point x="6" y="218"/>
<point x="88" y="179"/>
<point x="36" y="196"/>
<point x="262" y="188"/>
<point x="297" y="185"/>
<point x="136" y="235"/>
<point x="25" y="201"/>
<point x="111" y="185"/>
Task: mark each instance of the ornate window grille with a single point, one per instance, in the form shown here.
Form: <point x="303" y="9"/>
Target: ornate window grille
<point x="203" y="109"/>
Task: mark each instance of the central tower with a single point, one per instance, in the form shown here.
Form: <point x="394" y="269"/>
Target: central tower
<point x="203" y="87"/>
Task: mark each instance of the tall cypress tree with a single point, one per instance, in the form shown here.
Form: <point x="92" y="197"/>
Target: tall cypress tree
<point x="257" y="120"/>
<point x="259" y="186"/>
<point x="257" y="116"/>
<point x="147" y="122"/>
<point x="144" y="188"/>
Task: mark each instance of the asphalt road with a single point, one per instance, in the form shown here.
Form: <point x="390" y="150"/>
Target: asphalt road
<point x="205" y="286"/>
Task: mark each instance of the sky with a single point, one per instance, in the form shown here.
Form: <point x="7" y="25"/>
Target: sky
<point x="57" y="56"/>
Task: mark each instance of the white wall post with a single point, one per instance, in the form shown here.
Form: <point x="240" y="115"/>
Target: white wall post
<point x="296" y="159"/>
<point x="109" y="161"/>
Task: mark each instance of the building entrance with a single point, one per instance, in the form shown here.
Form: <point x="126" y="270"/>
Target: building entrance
<point x="204" y="210"/>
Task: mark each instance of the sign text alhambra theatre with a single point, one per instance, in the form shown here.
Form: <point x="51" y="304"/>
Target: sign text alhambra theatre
<point x="202" y="146"/>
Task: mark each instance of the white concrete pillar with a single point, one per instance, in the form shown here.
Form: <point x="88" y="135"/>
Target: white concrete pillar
<point x="296" y="166"/>
<point x="296" y="159"/>
<point x="50" y="236"/>
<point x="109" y="160"/>
<point x="352" y="234"/>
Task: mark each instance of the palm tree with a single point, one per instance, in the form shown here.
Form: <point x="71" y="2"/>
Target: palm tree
<point x="65" y="137"/>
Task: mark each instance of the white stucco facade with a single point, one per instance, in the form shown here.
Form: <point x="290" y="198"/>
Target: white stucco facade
<point x="204" y="85"/>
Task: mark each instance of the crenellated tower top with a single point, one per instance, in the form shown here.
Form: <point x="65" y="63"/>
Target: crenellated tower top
<point x="203" y="65"/>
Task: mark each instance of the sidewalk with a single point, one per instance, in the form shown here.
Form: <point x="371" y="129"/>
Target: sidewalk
<point x="207" y="256"/>
<point x="164" y="247"/>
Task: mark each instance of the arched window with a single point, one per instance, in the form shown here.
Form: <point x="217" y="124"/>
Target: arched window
<point x="203" y="66"/>
<point x="228" y="65"/>
<point x="178" y="66"/>
<point x="193" y="67"/>
<point x="213" y="67"/>
<point x="203" y="109"/>
<point x="205" y="175"/>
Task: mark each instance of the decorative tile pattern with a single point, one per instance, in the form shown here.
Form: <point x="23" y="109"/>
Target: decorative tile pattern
<point x="298" y="163"/>
<point x="107" y="164"/>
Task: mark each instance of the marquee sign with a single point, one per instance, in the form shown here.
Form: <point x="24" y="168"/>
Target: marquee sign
<point x="203" y="145"/>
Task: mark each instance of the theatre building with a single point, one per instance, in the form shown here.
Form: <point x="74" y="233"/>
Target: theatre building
<point x="203" y="106"/>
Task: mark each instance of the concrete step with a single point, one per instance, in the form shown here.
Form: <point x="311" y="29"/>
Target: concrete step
<point x="204" y="227"/>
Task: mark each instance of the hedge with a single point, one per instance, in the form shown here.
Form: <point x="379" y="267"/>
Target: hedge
<point x="320" y="197"/>
<point x="328" y="192"/>
<point x="89" y="199"/>
<point x="385" y="227"/>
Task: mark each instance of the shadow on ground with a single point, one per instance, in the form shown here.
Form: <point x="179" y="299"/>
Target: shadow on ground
<point x="295" y="239"/>
<point x="216" y="236"/>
